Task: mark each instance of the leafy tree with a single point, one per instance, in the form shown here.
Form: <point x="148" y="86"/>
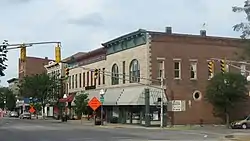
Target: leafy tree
<point x="224" y="91"/>
<point x="81" y="102"/>
<point x="244" y="28"/>
<point x="3" y="57"/>
<point x="7" y="95"/>
<point x="40" y="86"/>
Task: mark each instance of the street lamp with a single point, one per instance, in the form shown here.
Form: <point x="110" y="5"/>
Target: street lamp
<point x="102" y="93"/>
<point x="64" y="116"/>
<point x="248" y="78"/>
<point x="4" y="104"/>
<point x="65" y="96"/>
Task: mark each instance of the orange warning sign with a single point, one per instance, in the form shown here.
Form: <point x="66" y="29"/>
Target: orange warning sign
<point x="94" y="103"/>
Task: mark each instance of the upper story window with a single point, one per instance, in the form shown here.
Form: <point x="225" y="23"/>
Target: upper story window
<point x="134" y="71"/>
<point x="115" y="75"/>
<point x="193" y="69"/>
<point x="243" y="69"/>
<point x="177" y="68"/>
<point x="160" y="67"/>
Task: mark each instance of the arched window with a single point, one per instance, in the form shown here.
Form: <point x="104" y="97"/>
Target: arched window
<point x="115" y="75"/>
<point x="134" y="71"/>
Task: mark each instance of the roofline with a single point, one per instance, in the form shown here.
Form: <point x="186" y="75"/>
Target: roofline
<point x="124" y="36"/>
<point x="92" y="52"/>
<point x="195" y="36"/>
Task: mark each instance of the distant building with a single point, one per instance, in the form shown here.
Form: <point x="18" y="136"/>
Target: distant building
<point x="58" y="70"/>
<point x="31" y="66"/>
<point x="13" y="85"/>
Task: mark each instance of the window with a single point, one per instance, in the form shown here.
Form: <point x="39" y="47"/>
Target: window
<point x="83" y="79"/>
<point x="177" y="69"/>
<point x="103" y="75"/>
<point x="134" y="74"/>
<point x="227" y="68"/>
<point x="115" y="75"/>
<point x="91" y="78"/>
<point x="76" y="82"/>
<point x="69" y="82"/>
<point x="193" y="70"/>
<point x="99" y="77"/>
<point x="80" y="80"/>
<point x="123" y="73"/>
<point x="87" y="78"/>
<point x="73" y="81"/>
<point x="94" y="79"/>
<point x="160" y="69"/>
<point x="243" y="69"/>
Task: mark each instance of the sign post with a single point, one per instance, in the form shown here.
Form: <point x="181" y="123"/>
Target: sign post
<point x="94" y="104"/>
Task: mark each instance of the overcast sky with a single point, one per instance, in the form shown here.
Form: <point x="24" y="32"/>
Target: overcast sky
<point x="82" y="25"/>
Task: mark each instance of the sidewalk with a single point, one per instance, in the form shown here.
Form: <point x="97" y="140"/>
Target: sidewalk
<point x="129" y="126"/>
<point x="236" y="137"/>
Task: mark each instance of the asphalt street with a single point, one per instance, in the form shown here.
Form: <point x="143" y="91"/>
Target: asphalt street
<point x="46" y="130"/>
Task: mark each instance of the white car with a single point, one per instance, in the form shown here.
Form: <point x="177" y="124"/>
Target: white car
<point x="25" y="115"/>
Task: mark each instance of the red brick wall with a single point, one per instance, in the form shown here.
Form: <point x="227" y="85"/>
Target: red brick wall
<point x="185" y="48"/>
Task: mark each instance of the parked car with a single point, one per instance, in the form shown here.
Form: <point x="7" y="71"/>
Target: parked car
<point x="13" y="114"/>
<point x="242" y="124"/>
<point x="25" y="115"/>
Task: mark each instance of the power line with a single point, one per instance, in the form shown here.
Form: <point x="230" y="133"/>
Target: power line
<point x="108" y="73"/>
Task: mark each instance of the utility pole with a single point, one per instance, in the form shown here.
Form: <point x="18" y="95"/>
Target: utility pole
<point x="162" y="106"/>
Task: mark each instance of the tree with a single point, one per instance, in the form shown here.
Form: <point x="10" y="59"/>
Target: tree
<point x="244" y="28"/>
<point x="81" y="102"/>
<point x="3" y="57"/>
<point x="6" y="95"/>
<point x="224" y="91"/>
<point x="40" y="86"/>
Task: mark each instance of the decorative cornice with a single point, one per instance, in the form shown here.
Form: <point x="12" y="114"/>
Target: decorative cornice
<point x="124" y="38"/>
<point x="197" y="39"/>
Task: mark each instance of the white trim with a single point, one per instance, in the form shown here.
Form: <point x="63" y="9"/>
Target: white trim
<point x="193" y="60"/>
<point x="160" y="59"/>
<point x="177" y="61"/>
<point x="197" y="91"/>
<point x="195" y="72"/>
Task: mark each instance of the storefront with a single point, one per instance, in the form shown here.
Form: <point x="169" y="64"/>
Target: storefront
<point x="128" y="104"/>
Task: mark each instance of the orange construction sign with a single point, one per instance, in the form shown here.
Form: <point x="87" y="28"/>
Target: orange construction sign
<point x="94" y="103"/>
<point x="32" y="110"/>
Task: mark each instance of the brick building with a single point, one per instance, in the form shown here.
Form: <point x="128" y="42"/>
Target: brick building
<point x="140" y="58"/>
<point x="31" y="66"/>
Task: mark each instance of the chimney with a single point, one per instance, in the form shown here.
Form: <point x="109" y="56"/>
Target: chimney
<point x="168" y="30"/>
<point x="203" y="33"/>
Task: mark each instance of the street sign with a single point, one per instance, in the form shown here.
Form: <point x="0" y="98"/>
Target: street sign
<point x="94" y="103"/>
<point x="102" y="99"/>
<point x="32" y="110"/>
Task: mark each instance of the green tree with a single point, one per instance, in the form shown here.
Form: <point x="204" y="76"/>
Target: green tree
<point x="3" y="57"/>
<point x="224" y="91"/>
<point x="6" y="95"/>
<point x="244" y="28"/>
<point x="40" y="86"/>
<point x="81" y="102"/>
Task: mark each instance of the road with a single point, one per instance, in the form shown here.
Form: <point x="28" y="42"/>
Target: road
<point x="45" y="130"/>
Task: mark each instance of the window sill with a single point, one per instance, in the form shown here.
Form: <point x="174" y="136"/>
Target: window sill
<point x="177" y="78"/>
<point x="193" y="79"/>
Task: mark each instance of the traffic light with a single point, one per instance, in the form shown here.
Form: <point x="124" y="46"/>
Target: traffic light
<point x="58" y="53"/>
<point x="96" y="73"/>
<point x="222" y="66"/>
<point x="23" y="53"/>
<point x="67" y="71"/>
<point x="210" y="69"/>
